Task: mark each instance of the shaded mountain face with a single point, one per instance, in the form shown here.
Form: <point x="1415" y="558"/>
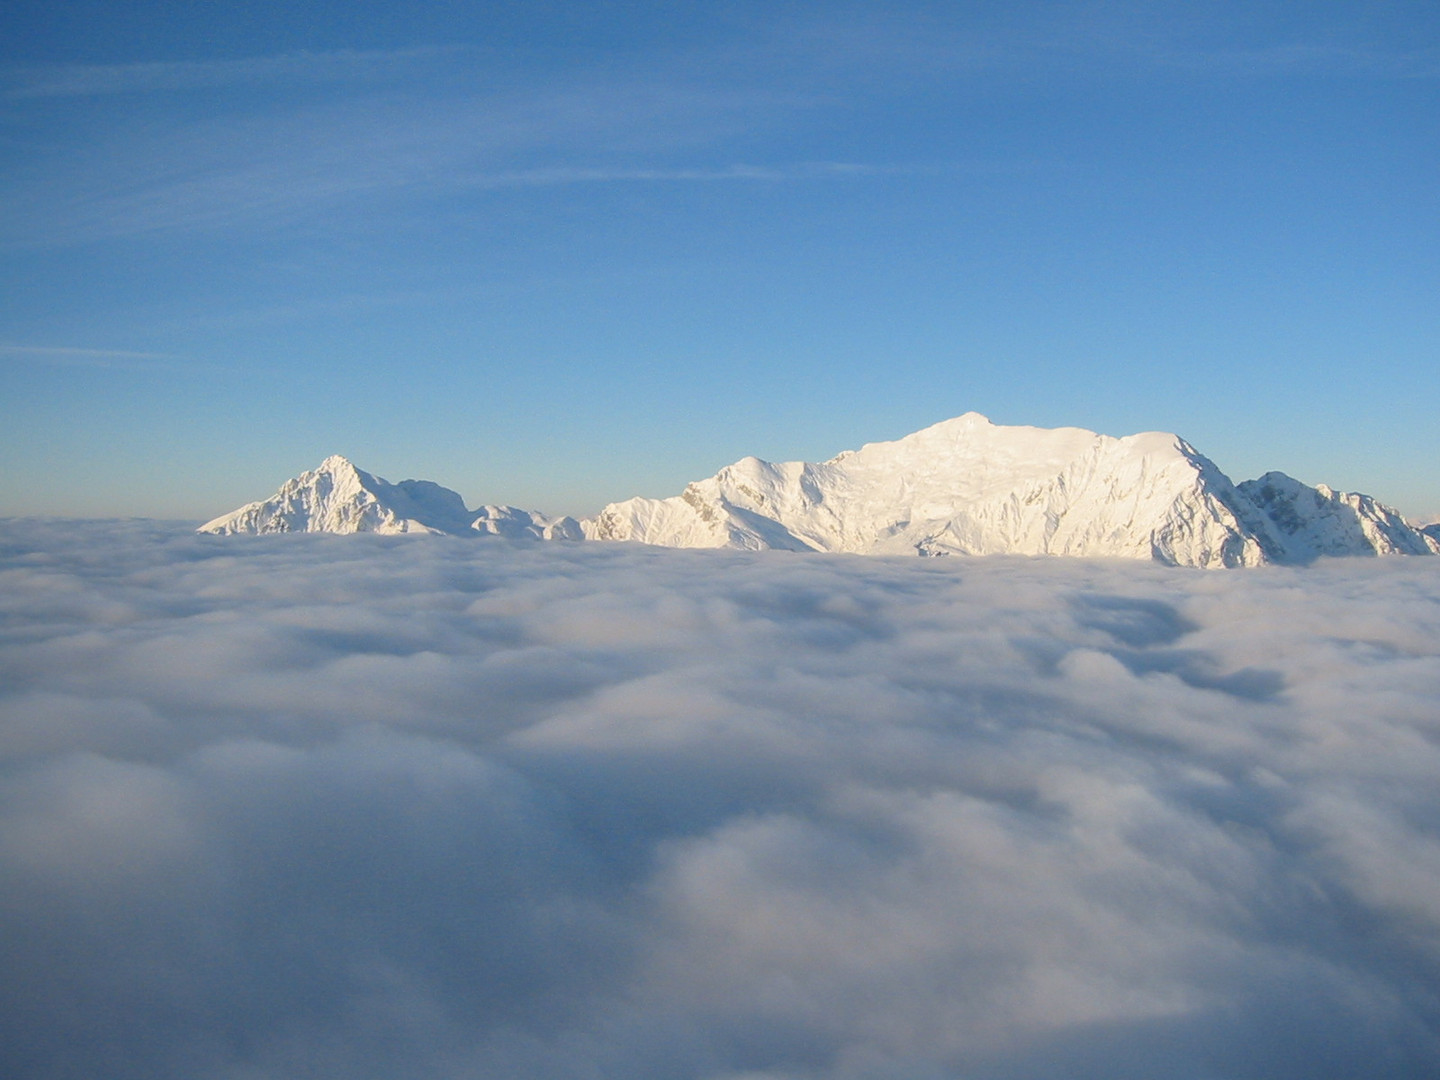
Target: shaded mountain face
<point x="1315" y="521"/>
<point x="339" y="498"/>
<point x="963" y="487"/>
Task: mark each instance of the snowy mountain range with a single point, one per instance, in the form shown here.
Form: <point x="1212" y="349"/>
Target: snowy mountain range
<point x="339" y="498"/>
<point x="964" y="486"/>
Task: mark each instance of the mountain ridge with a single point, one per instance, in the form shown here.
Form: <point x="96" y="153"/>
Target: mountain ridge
<point x="338" y="497"/>
<point x="964" y="486"/>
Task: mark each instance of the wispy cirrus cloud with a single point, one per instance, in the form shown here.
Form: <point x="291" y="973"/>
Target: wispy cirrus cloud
<point x="64" y="356"/>
<point x="808" y="170"/>
<point x="1294" y="58"/>
<point x="358" y="128"/>
<point x="102" y="80"/>
<point x="405" y="125"/>
<point x="255" y="167"/>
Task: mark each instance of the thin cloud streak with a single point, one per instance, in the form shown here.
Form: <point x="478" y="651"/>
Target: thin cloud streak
<point x="62" y="356"/>
<point x="103" y="80"/>
<point x="1077" y="41"/>
<point x="1300" y="58"/>
<point x="277" y="167"/>
<point x="775" y="173"/>
<point x="413" y="124"/>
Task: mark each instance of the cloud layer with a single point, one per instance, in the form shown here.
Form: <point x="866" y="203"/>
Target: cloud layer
<point x="370" y="807"/>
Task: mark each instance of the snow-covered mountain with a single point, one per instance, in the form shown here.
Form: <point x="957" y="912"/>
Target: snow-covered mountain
<point x="964" y="486"/>
<point x="339" y="498"/>
<point x="1314" y="521"/>
<point x="967" y="486"/>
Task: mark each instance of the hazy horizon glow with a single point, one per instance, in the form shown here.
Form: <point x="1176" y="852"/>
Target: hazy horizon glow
<point x="557" y="255"/>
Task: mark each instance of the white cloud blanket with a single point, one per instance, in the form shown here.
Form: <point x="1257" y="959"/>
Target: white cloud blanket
<point x="372" y="807"/>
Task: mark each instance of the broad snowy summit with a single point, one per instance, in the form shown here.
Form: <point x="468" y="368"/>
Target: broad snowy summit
<point x="964" y="487"/>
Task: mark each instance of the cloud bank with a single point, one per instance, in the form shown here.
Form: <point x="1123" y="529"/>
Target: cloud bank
<point x="373" y="807"/>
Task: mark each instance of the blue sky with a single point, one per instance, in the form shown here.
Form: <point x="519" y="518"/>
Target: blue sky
<point x="555" y="254"/>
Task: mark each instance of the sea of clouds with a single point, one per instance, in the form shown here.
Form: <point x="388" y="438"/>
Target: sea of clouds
<point x="380" y="807"/>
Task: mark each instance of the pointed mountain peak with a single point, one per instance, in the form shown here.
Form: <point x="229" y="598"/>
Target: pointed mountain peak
<point x="338" y="497"/>
<point x="342" y="472"/>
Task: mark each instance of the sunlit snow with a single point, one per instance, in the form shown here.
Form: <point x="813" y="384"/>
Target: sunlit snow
<point x="961" y="487"/>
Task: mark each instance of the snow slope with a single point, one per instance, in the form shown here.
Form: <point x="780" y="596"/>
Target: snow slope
<point x="339" y="498"/>
<point x="964" y="486"/>
<point x="967" y="486"/>
<point x="1314" y="521"/>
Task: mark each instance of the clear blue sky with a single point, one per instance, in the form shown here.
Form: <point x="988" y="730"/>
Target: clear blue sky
<point x="555" y="254"/>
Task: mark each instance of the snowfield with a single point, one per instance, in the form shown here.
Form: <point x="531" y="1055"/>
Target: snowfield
<point x="960" y="487"/>
<point x="385" y="806"/>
